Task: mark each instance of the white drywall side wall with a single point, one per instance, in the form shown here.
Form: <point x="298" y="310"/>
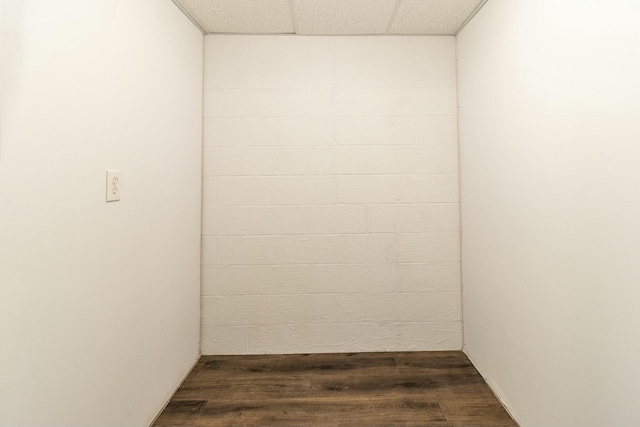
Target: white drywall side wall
<point x="99" y="303"/>
<point x="549" y="130"/>
<point x="330" y="217"/>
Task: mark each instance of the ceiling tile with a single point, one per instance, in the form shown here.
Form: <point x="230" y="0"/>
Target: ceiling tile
<point x="336" y="17"/>
<point x="432" y="16"/>
<point x="241" y="16"/>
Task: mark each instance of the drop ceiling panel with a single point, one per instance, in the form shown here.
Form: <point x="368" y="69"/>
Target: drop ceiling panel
<point x="331" y="17"/>
<point x="432" y="16"/>
<point x="241" y="16"/>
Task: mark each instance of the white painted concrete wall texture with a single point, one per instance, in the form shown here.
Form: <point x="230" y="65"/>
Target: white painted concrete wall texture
<point x="549" y="130"/>
<point x="99" y="303"/>
<point x="330" y="195"/>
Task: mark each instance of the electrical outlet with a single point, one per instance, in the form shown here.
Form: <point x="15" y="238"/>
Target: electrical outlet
<point x="114" y="181"/>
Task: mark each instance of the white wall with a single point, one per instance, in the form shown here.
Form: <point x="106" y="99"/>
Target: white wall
<point x="549" y="129"/>
<point x="99" y="302"/>
<point x="330" y="195"/>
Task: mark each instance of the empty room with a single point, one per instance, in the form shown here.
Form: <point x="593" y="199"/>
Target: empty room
<point x="319" y="213"/>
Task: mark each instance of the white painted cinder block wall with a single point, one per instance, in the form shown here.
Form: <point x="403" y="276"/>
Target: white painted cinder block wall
<point x="549" y="132"/>
<point x="330" y="195"/>
<point x="99" y="303"/>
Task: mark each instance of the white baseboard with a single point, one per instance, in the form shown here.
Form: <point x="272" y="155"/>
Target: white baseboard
<point x="174" y="391"/>
<point x="502" y="398"/>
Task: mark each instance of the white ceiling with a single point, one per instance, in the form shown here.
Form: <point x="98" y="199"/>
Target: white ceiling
<point x="331" y="17"/>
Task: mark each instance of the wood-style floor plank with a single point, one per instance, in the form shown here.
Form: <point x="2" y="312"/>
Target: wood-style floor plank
<point x="438" y="389"/>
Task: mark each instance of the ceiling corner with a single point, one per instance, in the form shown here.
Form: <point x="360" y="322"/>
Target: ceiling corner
<point x="189" y="16"/>
<point x="471" y="16"/>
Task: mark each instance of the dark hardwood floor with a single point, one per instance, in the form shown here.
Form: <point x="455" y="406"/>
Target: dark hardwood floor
<point x="362" y="389"/>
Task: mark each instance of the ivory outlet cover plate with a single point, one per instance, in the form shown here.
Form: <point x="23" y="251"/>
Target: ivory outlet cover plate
<point x="114" y="181"/>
